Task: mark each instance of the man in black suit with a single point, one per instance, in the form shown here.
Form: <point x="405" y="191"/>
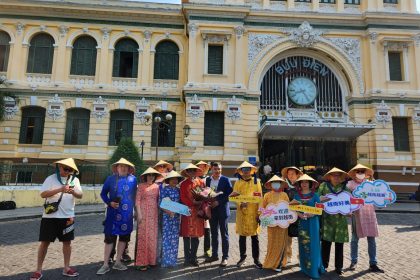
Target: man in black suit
<point x="220" y="213"/>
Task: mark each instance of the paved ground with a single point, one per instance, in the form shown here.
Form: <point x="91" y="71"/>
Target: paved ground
<point x="398" y="254"/>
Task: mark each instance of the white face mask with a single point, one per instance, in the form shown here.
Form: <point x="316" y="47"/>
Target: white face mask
<point x="360" y="176"/>
<point x="275" y="186"/>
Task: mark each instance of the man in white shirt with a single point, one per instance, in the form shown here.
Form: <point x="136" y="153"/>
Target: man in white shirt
<point x="62" y="188"/>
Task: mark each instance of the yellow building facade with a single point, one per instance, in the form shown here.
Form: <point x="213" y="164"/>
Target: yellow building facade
<point x="307" y="83"/>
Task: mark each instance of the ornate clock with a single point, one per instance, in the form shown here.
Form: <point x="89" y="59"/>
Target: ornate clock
<point x="302" y="91"/>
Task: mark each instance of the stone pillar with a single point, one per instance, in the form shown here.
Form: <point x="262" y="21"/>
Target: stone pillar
<point x="146" y="60"/>
<point x="104" y="60"/>
<point x="340" y="6"/>
<point x="17" y="57"/>
<point x="61" y="53"/>
<point x="315" y="5"/>
<point x="290" y="4"/>
<point x="192" y="52"/>
<point x="240" y="56"/>
<point x="374" y="58"/>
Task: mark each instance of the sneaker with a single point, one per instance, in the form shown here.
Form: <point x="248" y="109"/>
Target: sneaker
<point x="104" y="269"/>
<point x="278" y="269"/>
<point x="339" y="271"/>
<point x="36" y="276"/>
<point x="223" y="263"/>
<point x="241" y="262"/>
<point x="353" y="266"/>
<point x="258" y="264"/>
<point x="71" y="273"/>
<point x="211" y="259"/>
<point x="119" y="266"/>
<point x="375" y="268"/>
<point x="110" y="261"/>
<point x="207" y="254"/>
<point x="126" y="258"/>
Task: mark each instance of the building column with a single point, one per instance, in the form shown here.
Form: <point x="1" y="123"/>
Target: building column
<point x="240" y="65"/>
<point x="105" y="59"/>
<point x="416" y="48"/>
<point x="340" y="6"/>
<point x="374" y="58"/>
<point x="192" y="52"/>
<point x="290" y="4"/>
<point x="145" y="62"/>
<point x="315" y="5"/>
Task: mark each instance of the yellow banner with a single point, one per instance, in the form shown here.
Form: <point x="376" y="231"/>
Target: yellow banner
<point x="243" y="198"/>
<point x="306" y="209"/>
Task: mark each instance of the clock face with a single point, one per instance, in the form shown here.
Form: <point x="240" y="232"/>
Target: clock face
<point x="302" y="91"/>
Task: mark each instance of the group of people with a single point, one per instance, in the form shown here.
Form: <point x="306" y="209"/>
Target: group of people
<point x="207" y="197"/>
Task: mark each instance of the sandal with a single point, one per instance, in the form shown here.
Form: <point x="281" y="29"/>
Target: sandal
<point x="36" y="275"/>
<point x="71" y="273"/>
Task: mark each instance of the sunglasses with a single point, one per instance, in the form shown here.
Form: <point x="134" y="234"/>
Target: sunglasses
<point x="246" y="169"/>
<point x="66" y="169"/>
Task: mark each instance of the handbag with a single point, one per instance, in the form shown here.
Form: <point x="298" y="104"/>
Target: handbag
<point x="293" y="229"/>
<point x="51" y="207"/>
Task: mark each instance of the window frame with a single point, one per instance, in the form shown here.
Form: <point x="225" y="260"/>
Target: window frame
<point x="83" y="52"/>
<point x="76" y="114"/>
<point x="6" y="51"/>
<point x="32" y="65"/>
<point x="170" y="140"/>
<point x="114" y="120"/>
<point x="37" y="132"/>
<point x="161" y="55"/>
<point x="135" y="59"/>
<point x="401" y="145"/>
<point x="207" y="133"/>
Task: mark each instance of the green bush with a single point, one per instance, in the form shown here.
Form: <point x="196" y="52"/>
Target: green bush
<point x="127" y="149"/>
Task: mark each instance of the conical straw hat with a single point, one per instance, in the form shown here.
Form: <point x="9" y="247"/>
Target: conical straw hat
<point x="306" y="177"/>
<point x="69" y="162"/>
<point x="275" y="178"/>
<point x="284" y="171"/>
<point x="198" y="172"/>
<point x="327" y="176"/>
<point x="150" y="171"/>
<point x="206" y="169"/>
<point x="162" y="162"/>
<point x="368" y="171"/>
<point x="174" y="174"/>
<point x="125" y="162"/>
<point x="246" y="164"/>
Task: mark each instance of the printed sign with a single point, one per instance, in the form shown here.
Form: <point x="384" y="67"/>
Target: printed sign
<point x="245" y="198"/>
<point x="277" y="215"/>
<point x="377" y="193"/>
<point x="340" y="204"/>
<point x="175" y="207"/>
<point x="306" y="209"/>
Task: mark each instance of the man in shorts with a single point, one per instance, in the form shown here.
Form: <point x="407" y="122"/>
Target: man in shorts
<point x="62" y="187"/>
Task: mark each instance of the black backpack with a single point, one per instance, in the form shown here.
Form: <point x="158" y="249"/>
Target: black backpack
<point x="7" y="205"/>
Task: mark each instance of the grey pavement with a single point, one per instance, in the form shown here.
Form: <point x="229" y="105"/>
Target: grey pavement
<point x="398" y="247"/>
<point x="35" y="212"/>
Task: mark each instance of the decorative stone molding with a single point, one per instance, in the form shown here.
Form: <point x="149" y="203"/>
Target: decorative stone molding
<point x="20" y="27"/>
<point x="274" y="5"/>
<point x="10" y="107"/>
<point x="390" y="45"/>
<point x="100" y="109"/>
<point x="302" y="7"/>
<point x="192" y="29"/>
<point x="42" y="28"/>
<point x="352" y="49"/>
<point x="124" y="84"/>
<point x="142" y="108"/>
<point x="55" y="108"/>
<point x="373" y="36"/>
<point x="391" y="8"/>
<point x="127" y="32"/>
<point x="165" y="84"/>
<point x="85" y="29"/>
<point x="383" y="113"/>
<point x="195" y="107"/>
<point x="416" y="114"/>
<point x="351" y="9"/>
<point x="62" y="29"/>
<point x="304" y="36"/>
<point x="105" y="33"/>
<point x="214" y="38"/>
<point x="239" y="31"/>
<point x="81" y="82"/>
<point x="147" y="35"/>
<point x="233" y="109"/>
<point x="416" y="39"/>
<point x="257" y="42"/>
<point x="327" y="8"/>
<point x="36" y="80"/>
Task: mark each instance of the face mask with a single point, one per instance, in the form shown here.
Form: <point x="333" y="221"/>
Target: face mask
<point x="275" y="186"/>
<point x="360" y="176"/>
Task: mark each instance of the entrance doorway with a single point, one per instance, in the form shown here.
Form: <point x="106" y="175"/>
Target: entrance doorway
<point x="315" y="157"/>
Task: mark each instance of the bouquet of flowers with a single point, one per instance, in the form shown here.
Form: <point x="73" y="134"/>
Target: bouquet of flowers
<point x="206" y="195"/>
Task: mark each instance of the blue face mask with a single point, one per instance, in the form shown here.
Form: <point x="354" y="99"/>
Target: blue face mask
<point x="276" y="186"/>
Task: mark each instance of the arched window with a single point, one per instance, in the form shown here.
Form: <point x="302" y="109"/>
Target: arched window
<point x="126" y="59"/>
<point x="121" y="125"/>
<point x="77" y="126"/>
<point x="4" y="50"/>
<point x="166" y="130"/>
<point x="83" y="57"/>
<point x="41" y="53"/>
<point x="166" y="61"/>
<point x="32" y="125"/>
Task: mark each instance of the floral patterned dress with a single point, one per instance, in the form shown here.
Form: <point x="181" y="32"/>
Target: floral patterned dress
<point x="309" y="240"/>
<point x="147" y="231"/>
<point x="334" y="227"/>
<point x="170" y="229"/>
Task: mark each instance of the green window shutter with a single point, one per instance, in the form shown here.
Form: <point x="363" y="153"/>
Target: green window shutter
<point x="77" y="127"/>
<point x="215" y="59"/>
<point x="36" y="116"/>
<point x="214" y="128"/>
<point x="83" y="136"/>
<point x="23" y="129"/>
<point x="395" y="71"/>
<point x="166" y="61"/>
<point x="4" y="50"/>
<point x="401" y="136"/>
<point x="83" y="60"/>
<point x="121" y="125"/>
<point x="69" y="130"/>
<point x="135" y="66"/>
<point x="116" y="66"/>
<point x="41" y="53"/>
<point x="126" y="59"/>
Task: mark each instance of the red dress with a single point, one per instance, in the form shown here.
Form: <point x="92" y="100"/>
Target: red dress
<point x="191" y="226"/>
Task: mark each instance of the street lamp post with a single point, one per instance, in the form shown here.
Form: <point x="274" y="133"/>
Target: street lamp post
<point x="159" y="125"/>
<point x="142" y="146"/>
